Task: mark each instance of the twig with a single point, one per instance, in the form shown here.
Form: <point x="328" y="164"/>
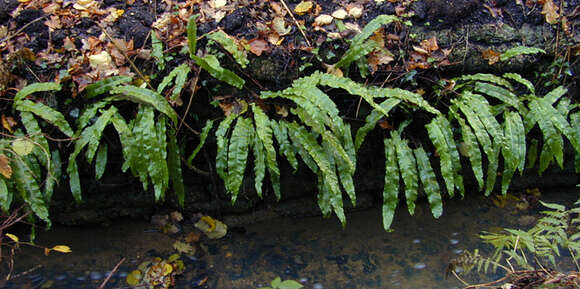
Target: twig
<point x="296" y="22"/>
<point x="22" y="29"/>
<point x="193" y="88"/>
<point x="111" y="274"/>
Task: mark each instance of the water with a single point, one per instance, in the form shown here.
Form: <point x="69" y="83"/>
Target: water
<point x="315" y="251"/>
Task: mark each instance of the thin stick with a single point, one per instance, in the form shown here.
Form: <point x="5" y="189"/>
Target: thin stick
<point x="296" y="22"/>
<point x="111" y="274"/>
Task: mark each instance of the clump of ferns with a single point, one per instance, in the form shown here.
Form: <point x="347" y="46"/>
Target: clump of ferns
<point x="520" y="252"/>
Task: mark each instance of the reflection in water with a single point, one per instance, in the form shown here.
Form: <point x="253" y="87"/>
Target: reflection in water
<point x="315" y="251"/>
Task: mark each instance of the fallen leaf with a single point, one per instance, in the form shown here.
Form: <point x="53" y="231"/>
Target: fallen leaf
<point x="102" y="60"/>
<point x="62" y="249"/>
<point x="279" y="25"/>
<point x="5" y="168"/>
<point x="176" y="216"/>
<point x="491" y="56"/>
<point x="192" y="237"/>
<point x="8" y="122"/>
<point x="430" y="44"/>
<point x="278" y="9"/>
<point x="219" y="3"/>
<point x="183" y="248"/>
<point x="354" y="10"/>
<point x="22" y="146"/>
<point x="303" y="7"/>
<point x="213" y="229"/>
<point x="281" y="110"/>
<point x="323" y="19"/>
<point x="257" y="46"/>
<point x="12" y="237"/>
<point x="550" y="10"/>
<point x="339" y="14"/>
<point x="134" y="278"/>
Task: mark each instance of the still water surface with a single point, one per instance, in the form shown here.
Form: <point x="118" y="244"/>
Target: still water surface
<point x="315" y="251"/>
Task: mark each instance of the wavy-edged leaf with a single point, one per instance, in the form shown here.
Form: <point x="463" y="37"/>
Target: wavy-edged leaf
<point x="101" y="161"/>
<point x="238" y="155"/>
<point x="408" y="168"/>
<point x="146" y="96"/>
<point x="221" y="159"/>
<point x="346" y="179"/>
<point x="174" y="166"/>
<point x="302" y="152"/>
<point x="548" y="112"/>
<point x="472" y="149"/>
<point x="553" y="96"/>
<point x="453" y="152"/>
<point x="212" y="65"/>
<point x="281" y="133"/>
<point x="487" y="78"/>
<point x="157" y="155"/>
<point x="33" y="88"/>
<point x="29" y="189"/>
<point x="391" y="188"/>
<point x="429" y="181"/>
<point x="372" y="119"/>
<point x="532" y="153"/>
<point x="445" y="158"/>
<point x="35" y="133"/>
<point x="178" y="76"/>
<point x="202" y="138"/>
<point x="259" y="164"/>
<point x="230" y="45"/>
<point x="339" y="150"/>
<point x="5" y="196"/>
<point x="481" y="107"/>
<point x="143" y="143"/>
<point x="104" y="85"/>
<point x="519" y="79"/>
<point x="53" y="176"/>
<point x="47" y="113"/>
<point x="264" y="132"/>
<point x="553" y="143"/>
<point x="157" y="51"/>
<point x="575" y="121"/>
<point x="192" y="35"/>
<point x="96" y="131"/>
<point x="74" y="180"/>
<point x="514" y="150"/>
<point x="356" y="52"/>
<point x="520" y="50"/>
<point x="317" y="152"/>
<point x="500" y="93"/>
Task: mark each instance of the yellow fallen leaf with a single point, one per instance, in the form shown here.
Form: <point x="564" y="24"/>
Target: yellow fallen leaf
<point x="323" y="19"/>
<point x="167" y="269"/>
<point x="62" y="249"/>
<point x="550" y="10"/>
<point x="339" y="14"/>
<point x="220" y="3"/>
<point x="8" y="122"/>
<point x="12" y="237"/>
<point x="303" y="7"/>
<point x="102" y="60"/>
<point x="134" y="278"/>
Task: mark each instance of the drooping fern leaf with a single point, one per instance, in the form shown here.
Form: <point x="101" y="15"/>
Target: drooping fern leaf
<point x="101" y="160"/>
<point x="146" y="96"/>
<point x="519" y="50"/>
<point x="259" y="164"/>
<point x="174" y="166"/>
<point x="221" y="159"/>
<point x="439" y="140"/>
<point x="429" y="181"/>
<point x="202" y="138"/>
<point x="265" y="135"/>
<point x="237" y="156"/>
<point x="514" y="150"/>
<point x="157" y="154"/>
<point x="408" y="169"/>
<point x="105" y="85"/>
<point x="281" y="133"/>
<point x="391" y="187"/>
<point x="47" y="113"/>
<point x="372" y="119"/>
<point x="179" y="76"/>
<point x="35" y="87"/>
<point x="230" y="45"/>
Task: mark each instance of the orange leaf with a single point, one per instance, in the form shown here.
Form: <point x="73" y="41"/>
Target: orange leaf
<point x="257" y="46"/>
<point x="47" y="251"/>
<point x="5" y="168"/>
<point x="430" y="44"/>
<point x="491" y="56"/>
<point x="551" y="11"/>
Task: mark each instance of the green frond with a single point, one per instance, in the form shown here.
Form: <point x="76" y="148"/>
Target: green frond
<point x="157" y="51"/>
<point x="429" y="181"/>
<point x="47" y="113"/>
<point x="53" y="176"/>
<point x="28" y="188"/>
<point x="281" y="133"/>
<point x="532" y="153"/>
<point x="408" y="169"/>
<point x="514" y="150"/>
<point x="553" y="143"/>
<point x="192" y="35"/>
<point x="101" y="160"/>
<point x="202" y="138"/>
<point x="96" y="132"/>
<point x="34" y="88"/>
<point x="575" y="121"/>
<point x="174" y="167"/>
<point x="105" y="85"/>
<point x="481" y="107"/>
<point x="238" y="155"/>
<point x="259" y="164"/>
<point x="264" y="132"/>
<point x="89" y="113"/>
<point x="229" y="44"/>
<point x="471" y="149"/>
<point x="553" y="96"/>
<point x="178" y="76"/>
<point x="35" y="133"/>
<point x="487" y="78"/>
<point x="519" y="50"/>
<point x="156" y="153"/>
<point x="502" y="94"/>
<point x="519" y="79"/>
<point x="391" y="188"/>
<point x="339" y="150"/>
<point x="221" y="159"/>
<point x="146" y="96"/>
<point x="439" y="141"/>
<point x="211" y="64"/>
<point x="5" y="195"/>
<point x="372" y="119"/>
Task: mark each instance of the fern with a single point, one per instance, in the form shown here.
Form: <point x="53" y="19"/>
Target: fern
<point x="179" y="76"/>
<point x="202" y="138"/>
<point x="230" y="46"/>
<point x="237" y="155"/>
<point x="519" y="50"/>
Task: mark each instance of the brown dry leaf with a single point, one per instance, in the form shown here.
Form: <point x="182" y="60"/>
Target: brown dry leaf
<point x="430" y="44"/>
<point x="53" y="23"/>
<point x="176" y="216"/>
<point x="303" y="7"/>
<point x="192" y="237"/>
<point x="281" y="110"/>
<point x="279" y="25"/>
<point x="5" y="168"/>
<point x="550" y="10"/>
<point x="68" y="44"/>
<point x="257" y="46"/>
<point x="227" y="108"/>
<point x="491" y="56"/>
<point x="420" y="50"/>
<point x="411" y="65"/>
<point x="400" y="10"/>
<point x="278" y="9"/>
<point x="379" y="37"/>
<point x="384" y="124"/>
<point x="8" y="123"/>
<point x="379" y="57"/>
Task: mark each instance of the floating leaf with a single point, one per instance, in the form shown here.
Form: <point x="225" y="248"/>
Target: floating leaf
<point x="134" y="278"/>
<point x="183" y="248"/>
<point x="212" y="228"/>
